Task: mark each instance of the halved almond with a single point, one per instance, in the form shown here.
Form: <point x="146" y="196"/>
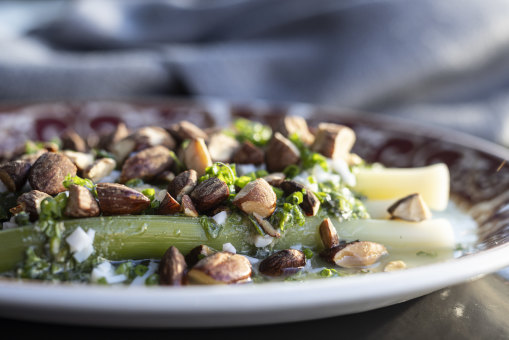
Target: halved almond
<point x="334" y="140"/>
<point x="266" y="226"/>
<point x="298" y="125"/>
<point x="410" y="208"/>
<point x="355" y="254"/>
<point x="256" y="197"/>
<point x="169" y="205"/>
<point x="221" y="268"/>
<point x="196" y="156"/>
<point x="100" y="169"/>
<point x="280" y="153"/>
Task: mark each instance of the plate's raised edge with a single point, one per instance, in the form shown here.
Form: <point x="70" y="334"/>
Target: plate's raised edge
<point x="420" y="128"/>
<point x="269" y="296"/>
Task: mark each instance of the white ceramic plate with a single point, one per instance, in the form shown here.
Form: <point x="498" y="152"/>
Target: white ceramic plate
<point x="468" y="158"/>
<point x="237" y="305"/>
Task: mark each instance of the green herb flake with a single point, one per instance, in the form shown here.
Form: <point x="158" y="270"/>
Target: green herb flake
<point x="243" y="181"/>
<point x="261" y="173"/>
<point x="211" y="228"/>
<point x="308" y="158"/>
<point x="295" y="198"/>
<point x="102" y="281"/>
<point x="76" y="180"/>
<point x="222" y="171"/>
<point x="99" y="153"/>
<point x="255" y="132"/>
<point x="133" y="183"/>
<point x="140" y="270"/>
<point x="178" y="163"/>
<point x="124" y="268"/>
<point x="32" y="147"/>
<point x="258" y="228"/>
<point x="152" y="280"/>
<point x="279" y="192"/>
<point x="308" y="253"/>
<point x="149" y="192"/>
<point x="426" y="254"/>
<point x="22" y="219"/>
<point x="292" y="170"/>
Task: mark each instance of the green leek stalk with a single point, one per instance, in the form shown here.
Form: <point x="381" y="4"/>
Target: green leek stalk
<point x="142" y="237"/>
<point x="149" y="236"/>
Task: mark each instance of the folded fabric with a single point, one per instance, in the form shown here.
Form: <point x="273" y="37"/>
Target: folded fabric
<point x="448" y="57"/>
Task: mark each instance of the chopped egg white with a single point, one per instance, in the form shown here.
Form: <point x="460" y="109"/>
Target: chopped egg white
<point x="304" y="179"/>
<point x="252" y="260"/>
<point x="107" y="271"/>
<point x="262" y="241"/>
<point x="243" y="169"/>
<point x="81" y="243"/>
<point x="342" y="169"/>
<point x="324" y="176"/>
<point x="220" y="217"/>
<point x="229" y="247"/>
<point x="111" y="178"/>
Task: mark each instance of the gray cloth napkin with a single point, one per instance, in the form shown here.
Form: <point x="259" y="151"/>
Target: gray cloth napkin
<point x="444" y="62"/>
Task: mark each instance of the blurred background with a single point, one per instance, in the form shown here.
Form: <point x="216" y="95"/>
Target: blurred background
<point x="442" y="62"/>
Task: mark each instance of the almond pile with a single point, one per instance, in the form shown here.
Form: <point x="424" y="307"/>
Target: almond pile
<point x="188" y="171"/>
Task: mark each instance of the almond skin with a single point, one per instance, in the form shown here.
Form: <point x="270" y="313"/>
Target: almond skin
<point x="31" y="203"/>
<point x="283" y="262"/>
<point x="280" y="153"/>
<point x="209" y="194"/>
<point x="221" y="268"/>
<point x="196" y="156"/>
<point x="198" y="253"/>
<point x="172" y="268"/>
<point x="187" y="130"/>
<point x="257" y="196"/>
<point x="410" y="208"/>
<point x="168" y="205"/>
<point x="146" y="164"/>
<point x="49" y="171"/>
<point x="294" y="124"/>
<point x="187" y="207"/>
<point x="148" y="136"/>
<point x="248" y="153"/>
<point x="72" y="141"/>
<point x="334" y="140"/>
<point x="328" y="234"/>
<point x="183" y="184"/>
<point x="222" y="147"/>
<point x="106" y="141"/>
<point x="81" y="203"/>
<point x="14" y="174"/>
<point x="117" y="199"/>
